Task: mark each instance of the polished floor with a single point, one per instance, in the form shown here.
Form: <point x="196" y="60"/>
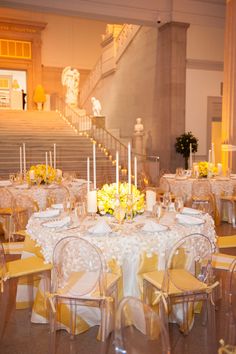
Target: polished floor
<point x="23" y="337"/>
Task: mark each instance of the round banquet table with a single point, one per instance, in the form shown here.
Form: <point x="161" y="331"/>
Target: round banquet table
<point x="219" y="186"/>
<point x="125" y="244"/>
<point x="39" y="193"/>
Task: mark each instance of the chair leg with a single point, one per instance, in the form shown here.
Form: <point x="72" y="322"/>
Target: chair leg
<point x="53" y="322"/>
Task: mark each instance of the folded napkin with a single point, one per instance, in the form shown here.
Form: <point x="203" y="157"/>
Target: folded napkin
<point x="58" y="223"/>
<point x="47" y="213"/>
<point x="189" y="220"/>
<point x="152" y="226"/>
<point x="191" y="211"/>
<point x="57" y="206"/>
<point x="5" y="183"/>
<point x="100" y="227"/>
<point x="22" y="186"/>
<point x="79" y="181"/>
<point x="169" y="175"/>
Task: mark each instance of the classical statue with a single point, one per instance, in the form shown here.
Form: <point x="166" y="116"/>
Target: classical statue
<point x="70" y="79"/>
<point x="138" y="127"/>
<point x="96" y="107"/>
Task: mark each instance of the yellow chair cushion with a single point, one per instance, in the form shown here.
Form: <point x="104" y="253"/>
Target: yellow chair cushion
<point x="6" y="211"/>
<point x="183" y="281"/>
<point x="222" y="261"/>
<point x="226" y="241"/>
<point x="27" y="266"/>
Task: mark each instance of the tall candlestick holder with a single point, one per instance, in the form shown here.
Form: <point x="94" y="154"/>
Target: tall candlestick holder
<point x="129" y="207"/>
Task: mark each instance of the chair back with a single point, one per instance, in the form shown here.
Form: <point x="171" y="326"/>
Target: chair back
<point x="139" y="329"/>
<point x="164" y="185"/>
<point x="6" y="198"/>
<point x="78" y="268"/>
<point x="192" y="253"/>
<point x="24" y="207"/>
<point x="60" y="194"/>
<point x="230" y="306"/>
<point x="3" y="266"/>
<point x="201" y="188"/>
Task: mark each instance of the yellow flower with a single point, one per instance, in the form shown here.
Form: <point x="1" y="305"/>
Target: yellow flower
<point x="106" y="198"/>
<point x="40" y="173"/>
<point x="204" y="168"/>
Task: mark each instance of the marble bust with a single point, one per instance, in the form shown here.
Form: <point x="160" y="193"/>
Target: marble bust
<point x="138" y="127"/>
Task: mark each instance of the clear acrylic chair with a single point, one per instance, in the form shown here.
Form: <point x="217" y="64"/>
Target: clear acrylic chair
<point x="30" y="267"/>
<point x="79" y="278"/>
<point x="7" y="212"/>
<point x="60" y="196"/>
<point x="202" y="197"/>
<point x="229" y="320"/>
<point x="24" y="207"/>
<point x="187" y="279"/>
<point x="139" y="329"/>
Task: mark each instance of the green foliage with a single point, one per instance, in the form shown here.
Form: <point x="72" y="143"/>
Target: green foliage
<point x="182" y="145"/>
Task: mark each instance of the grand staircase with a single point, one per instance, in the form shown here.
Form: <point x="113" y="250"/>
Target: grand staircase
<point x="39" y="131"/>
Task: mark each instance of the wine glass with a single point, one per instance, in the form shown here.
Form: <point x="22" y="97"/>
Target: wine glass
<point x="179" y="204"/>
<point x="157" y="210"/>
<point x="166" y="200"/>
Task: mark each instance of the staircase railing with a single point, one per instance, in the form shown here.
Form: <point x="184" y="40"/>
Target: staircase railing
<point x="84" y="125"/>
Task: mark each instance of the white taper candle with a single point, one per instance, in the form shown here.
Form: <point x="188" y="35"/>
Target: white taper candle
<point x="24" y="158"/>
<point x="135" y="171"/>
<point x="50" y="158"/>
<point x="129" y="168"/>
<point x="88" y="174"/>
<point x="94" y="166"/>
<point x="46" y="161"/>
<point x="190" y="157"/>
<point x="54" y="156"/>
<point x="117" y="172"/>
<point x="21" y="160"/>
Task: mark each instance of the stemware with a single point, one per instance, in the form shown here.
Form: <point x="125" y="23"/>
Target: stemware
<point x="166" y="200"/>
<point x="157" y="210"/>
<point x="179" y="204"/>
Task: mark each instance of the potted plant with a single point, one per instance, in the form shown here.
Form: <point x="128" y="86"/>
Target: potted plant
<point x="182" y="145"/>
<point x="39" y="96"/>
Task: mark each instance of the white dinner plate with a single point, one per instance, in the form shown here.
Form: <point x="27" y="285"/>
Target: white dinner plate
<point x="47" y="213"/>
<point x="154" y="227"/>
<point x="22" y="186"/>
<point x="57" y="223"/>
<point x="5" y="183"/>
<point x="189" y="220"/>
<point x="191" y="211"/>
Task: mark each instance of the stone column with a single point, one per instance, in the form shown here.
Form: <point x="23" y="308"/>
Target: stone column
<point x="229" y="89"/>
<point x="171" y="86"/>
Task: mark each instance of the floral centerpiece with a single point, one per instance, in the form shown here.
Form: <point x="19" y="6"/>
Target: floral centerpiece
<point x="38" y="174"/>
<point x="106" y="198"/>
<point x="182" y="145"/>
<point x="205" y="168"/>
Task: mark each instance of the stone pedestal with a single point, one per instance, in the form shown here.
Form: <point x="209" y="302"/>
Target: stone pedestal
<point x="99" y="121"/>
<point x="138" y="142"/>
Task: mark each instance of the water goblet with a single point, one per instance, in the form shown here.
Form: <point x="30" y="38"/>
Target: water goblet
<point x="80" y="211"/>
<point x="166" y="200"/>
<point x="179" y="204"/>
<point x="157" y="210"/>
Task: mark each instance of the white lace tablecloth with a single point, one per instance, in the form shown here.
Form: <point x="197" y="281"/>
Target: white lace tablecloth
<point x="39" y="193"/>
<point x="224" y="186"/>
<point x="125" y="243"/>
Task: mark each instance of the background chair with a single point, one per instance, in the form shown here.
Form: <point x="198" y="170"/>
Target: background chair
<point x="79" y="278"/>
<point x="7" y="212"/>
<point x="187" y="279"/>
<point x="139" y="329"/>
<point x="30" y="266"/>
